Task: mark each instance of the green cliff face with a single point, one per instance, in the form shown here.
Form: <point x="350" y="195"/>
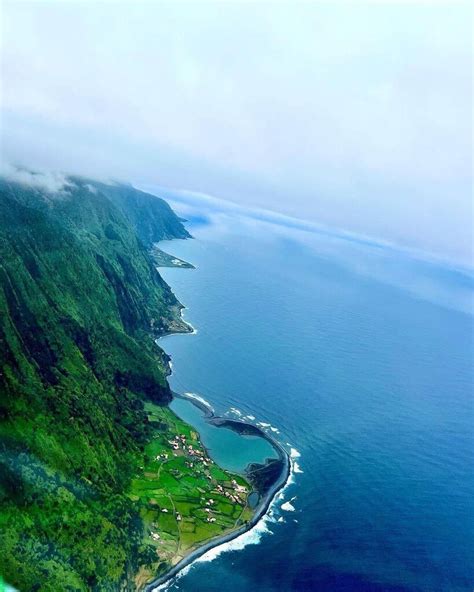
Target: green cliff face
<point x="80" y="299"/>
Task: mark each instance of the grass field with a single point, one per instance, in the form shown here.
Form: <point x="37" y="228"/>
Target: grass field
<point x="185" y="497"/>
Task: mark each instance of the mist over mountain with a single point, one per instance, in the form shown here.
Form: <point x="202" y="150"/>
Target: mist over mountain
<point x="81" y="303"/>
<point x="356" y="116"/>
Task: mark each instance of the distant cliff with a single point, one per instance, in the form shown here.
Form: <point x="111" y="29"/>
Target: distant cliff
<point x="80" y="301"/>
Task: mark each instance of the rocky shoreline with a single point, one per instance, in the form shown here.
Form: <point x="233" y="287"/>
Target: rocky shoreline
<point x="265" y="497"/>
<point x="266" y="494"/>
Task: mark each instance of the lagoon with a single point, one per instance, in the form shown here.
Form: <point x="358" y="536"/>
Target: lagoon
<point x="227" y="448"/>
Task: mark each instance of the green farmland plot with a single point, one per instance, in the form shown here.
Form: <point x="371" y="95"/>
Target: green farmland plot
<point x="185" y="497"/>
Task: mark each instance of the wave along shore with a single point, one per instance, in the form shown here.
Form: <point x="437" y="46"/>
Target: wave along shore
<point x="265" y="499"/>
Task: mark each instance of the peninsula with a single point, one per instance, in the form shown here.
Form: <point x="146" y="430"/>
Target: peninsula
<point x="102" y="486"/>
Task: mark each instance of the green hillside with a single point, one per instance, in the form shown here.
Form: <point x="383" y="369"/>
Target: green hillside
<point x="80" y="302"/>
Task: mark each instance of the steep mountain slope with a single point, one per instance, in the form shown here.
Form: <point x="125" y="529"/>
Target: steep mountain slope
<point x="80" y="300"/>
<point x="150" y="216"/>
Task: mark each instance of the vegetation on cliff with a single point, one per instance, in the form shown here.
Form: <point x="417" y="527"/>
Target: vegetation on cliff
<point x="80" y="302"/>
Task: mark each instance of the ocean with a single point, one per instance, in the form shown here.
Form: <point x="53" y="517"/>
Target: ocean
<point x="357" y="356"/>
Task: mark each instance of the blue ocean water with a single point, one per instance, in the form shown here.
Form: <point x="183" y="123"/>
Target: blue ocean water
<point x="361" y="357"/>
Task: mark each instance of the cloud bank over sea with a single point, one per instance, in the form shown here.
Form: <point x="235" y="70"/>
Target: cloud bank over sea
<point x="422" y="274"/>
<point x="355" y="115"/>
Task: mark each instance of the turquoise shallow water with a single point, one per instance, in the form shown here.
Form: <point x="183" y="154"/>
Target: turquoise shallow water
<point x="362" y="358"/>
<point x="226" y="447"/>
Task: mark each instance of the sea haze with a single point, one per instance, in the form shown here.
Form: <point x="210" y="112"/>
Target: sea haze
<point x="361" y="357"/>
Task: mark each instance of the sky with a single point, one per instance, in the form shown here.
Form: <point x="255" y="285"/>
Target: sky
<point x="348" y="114"/>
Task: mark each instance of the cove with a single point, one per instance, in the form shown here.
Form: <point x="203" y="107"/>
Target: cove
<point x="229" y="449"/>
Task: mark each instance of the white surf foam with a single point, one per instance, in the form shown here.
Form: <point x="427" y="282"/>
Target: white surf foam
<point x="288" y="506"/>
<point x="236" y="411"/>
<point x="294" y="453"/>
<point x="251" y="417"/>
<point x="173" y="581"/>
<point x="200" y="399"/>
<point x="296" y="468"/>
<point x="268" y="426"/>
<point x="252" y="536"/>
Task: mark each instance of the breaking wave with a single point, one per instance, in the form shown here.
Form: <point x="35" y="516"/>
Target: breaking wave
<point x="294" y="453"/>
<point x="200" y="399"/>
<point x="288" y="506"/>
<point x="296" y="468"/>
<point x="252" y="536"/>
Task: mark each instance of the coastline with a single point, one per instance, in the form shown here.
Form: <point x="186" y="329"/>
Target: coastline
<point x="259" y="512"/>
<point x="265" y="500"/>
<point x="177" y="326"/>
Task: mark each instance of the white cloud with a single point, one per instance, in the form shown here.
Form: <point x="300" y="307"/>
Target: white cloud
<point x="50" y="181"/>
<point x="351" y="114"/>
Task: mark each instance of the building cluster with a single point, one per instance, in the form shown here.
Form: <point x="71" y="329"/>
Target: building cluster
<point x="178" y="442"/>
<point x="239" y="492"/>
<point x="194" y="458"/>
<point x="209" y="503"/>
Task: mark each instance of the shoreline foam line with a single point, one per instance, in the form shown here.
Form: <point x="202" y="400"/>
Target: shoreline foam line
<point x="237" y="543"/>
<point x="261" y="511"/>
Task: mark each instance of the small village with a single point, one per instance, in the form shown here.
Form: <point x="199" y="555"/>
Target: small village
<point x="186" y="497"/>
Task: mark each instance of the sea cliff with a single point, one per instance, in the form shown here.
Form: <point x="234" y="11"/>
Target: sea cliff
<point x="86" y="438"/>
<point x="81" y="304"/>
